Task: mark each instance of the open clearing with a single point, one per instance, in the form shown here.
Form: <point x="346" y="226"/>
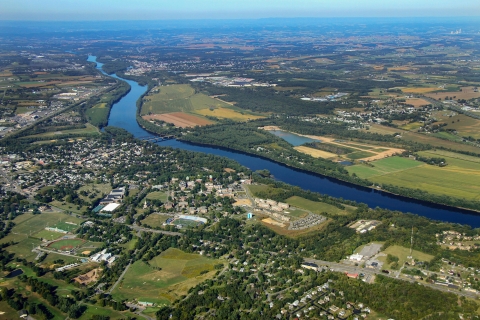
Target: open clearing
<point x="275" y="223"/>
<point x="402" y="253"/>
<point x="227" y="113"/>
<point x="179" y="119"/>
<point x="155" y="220"/>
<point x="315" y="152"/>
<point x="460" y="178"/>
<point x="166" y="278"/>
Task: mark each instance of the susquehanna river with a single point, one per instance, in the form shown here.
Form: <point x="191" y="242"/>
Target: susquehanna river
<point x="123" y="115"/>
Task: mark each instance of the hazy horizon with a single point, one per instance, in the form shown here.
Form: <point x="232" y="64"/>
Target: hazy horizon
<point x="113" y="10"/>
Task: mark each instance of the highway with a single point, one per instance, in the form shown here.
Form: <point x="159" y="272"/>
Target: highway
<point x="340" y="267"/>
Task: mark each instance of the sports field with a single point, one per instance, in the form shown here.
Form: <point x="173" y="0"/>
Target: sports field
<point x="166" y="277"/>
<point x="157" y="195"/>
<point x="66" y="244"/>
<point x="460" y="178"/>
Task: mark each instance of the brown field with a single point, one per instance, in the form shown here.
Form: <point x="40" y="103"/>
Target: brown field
<point x="323" y="60"/>
<point x="6" y="73"/>
<point x="179" y="119"/>
<point x="466" y="93"/>
<point x="315" y="153"/>
<point x="417" y="102"/>
<point x="378" y="67"/>
<point x="420" y="90"/>
<point x="275" y="223"/>
<point x="384" y="154"/>
<point x="401" y="68"/>
<point x="242" y="202"/>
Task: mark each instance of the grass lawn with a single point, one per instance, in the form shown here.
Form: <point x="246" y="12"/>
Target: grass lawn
<point x="98" y="114"/>
<point x="313" y="206"/>
<point x="157" y="195"/>
<point x="7" y="312"/>
<point x="166" y="278"/>
<point x="98" y="189"/>
<point x="155" y="220"/>
<point x="402" y="253"/>
<point x="412" y="126"/>
<point x="49" y="235"/>
<point x="297" y="213"/>
<point x="68" y="207"/>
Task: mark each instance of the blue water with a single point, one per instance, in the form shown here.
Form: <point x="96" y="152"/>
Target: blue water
<point x="292" y="138"/>
<point x="123" y="115"/>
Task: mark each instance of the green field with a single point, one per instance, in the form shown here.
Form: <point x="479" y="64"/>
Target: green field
<point x="157" y="195"/>
<point x="402" y="253"/>
<point x="99" y="190"/>
<point x="89" y="129"/>
<point x="28" y="223"/>
<point x="383" y="166"/>
<point x="166" y="278"/>
<point x="412" y="126"/>
<point x="176" y="98"/>
<point x="313" y="206"/>
<point x="460" y="178"/>
<point x="360" y="155"/>
<point x="98" y="114"/>
<point x="66" y="244"/>
<point x="155" y="220"/>
<point x="48" y="235"/>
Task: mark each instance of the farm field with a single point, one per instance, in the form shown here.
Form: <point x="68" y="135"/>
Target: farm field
<point x="314" y="206"/>
<point x="460" y="178"/>
<point x="155" y="220"/>
<point x="422" y="138"/>
<point x="466" y="93"/>
<point x="420" y="90"/>
<point x="227" y="113"/>
<point x="402" y="253"/>
<point x="166" y="278"/>
<point x="315" y="152"/>
<point x="464" y="125"/>
<point x="177" y="98"/>
<point x="384" y="166"/>
<point x="179" y="119"/>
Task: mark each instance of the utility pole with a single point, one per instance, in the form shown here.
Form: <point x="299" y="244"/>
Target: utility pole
<point x="411" y="245"/>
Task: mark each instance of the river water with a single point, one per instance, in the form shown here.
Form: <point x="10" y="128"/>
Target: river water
<point x="123" y="115"/>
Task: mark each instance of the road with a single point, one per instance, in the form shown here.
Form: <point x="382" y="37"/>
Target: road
<point x="170" y="233"/>
<point x="354" y="269"/>
<point x="119" y="278"/>
<point x="56" y="252"/>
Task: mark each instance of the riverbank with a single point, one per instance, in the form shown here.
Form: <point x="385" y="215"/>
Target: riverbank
<point x="123" y="115"/>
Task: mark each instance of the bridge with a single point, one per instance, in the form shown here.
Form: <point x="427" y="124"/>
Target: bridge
<point x="160" y="137"/>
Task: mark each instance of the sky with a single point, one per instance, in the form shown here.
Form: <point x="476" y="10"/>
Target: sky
<point x="67" y="10"/>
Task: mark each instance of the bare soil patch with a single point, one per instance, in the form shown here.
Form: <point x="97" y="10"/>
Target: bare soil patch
<point x="179" y="119"/>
